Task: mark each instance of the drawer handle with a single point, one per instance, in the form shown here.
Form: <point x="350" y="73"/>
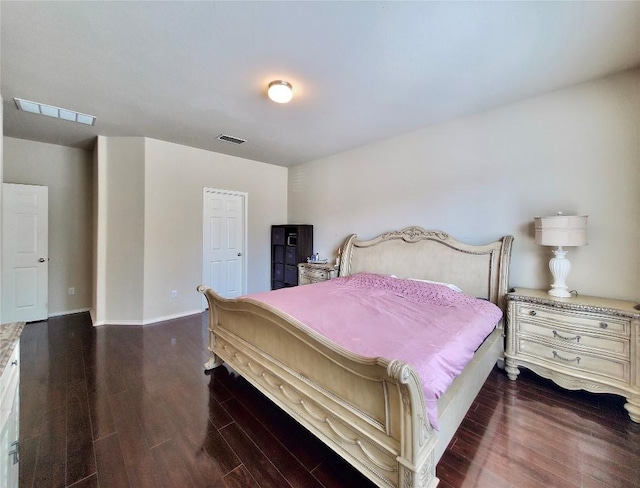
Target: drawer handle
<point x="565" y="338"/>
<point x="557" y="356"/>
<point x="14" y="452"/>
<point x="603" y="325"/>
<point x="533" y="313"/>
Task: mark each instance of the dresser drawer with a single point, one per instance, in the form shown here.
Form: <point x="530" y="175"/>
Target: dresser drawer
<point x="570" y="337"/>
<point x="571" y="318"/>
<point x="574" y="359"/>
<point x="314" y="275"/>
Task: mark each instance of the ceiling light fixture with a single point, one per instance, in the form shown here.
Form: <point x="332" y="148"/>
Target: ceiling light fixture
<point x="280" y="91"/>
<point x="55" y="112"/>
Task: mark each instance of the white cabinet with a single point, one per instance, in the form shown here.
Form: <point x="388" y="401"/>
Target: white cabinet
<point x="581" y="342"/>
<point x="9" y="416"/>
<point x="314" y="273"/>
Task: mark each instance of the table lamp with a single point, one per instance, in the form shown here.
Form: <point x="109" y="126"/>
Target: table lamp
<point x="560" y="231"/>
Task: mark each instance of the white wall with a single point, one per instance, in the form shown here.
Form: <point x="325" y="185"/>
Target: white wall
<point x="154" y="231"/>
<point x="486" y="175"/>
<point x="98" y="299"/>
<point x="175" y="177"/>
<point x="68" y="173"/>
<point x="124" y="230"/>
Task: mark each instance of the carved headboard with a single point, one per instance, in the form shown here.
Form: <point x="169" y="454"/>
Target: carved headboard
<point x="481" y="271"/>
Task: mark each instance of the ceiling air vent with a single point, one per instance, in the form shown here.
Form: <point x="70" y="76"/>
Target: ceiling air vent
<point x="228" y="138"/>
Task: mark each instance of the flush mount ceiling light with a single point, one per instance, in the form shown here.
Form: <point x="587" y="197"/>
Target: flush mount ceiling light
<point x="280" y="91"/>
<point x="55" y="112"/>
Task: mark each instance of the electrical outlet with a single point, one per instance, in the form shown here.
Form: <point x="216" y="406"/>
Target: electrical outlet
<point x="72" y="291"/>
<point x="174" y="294"/>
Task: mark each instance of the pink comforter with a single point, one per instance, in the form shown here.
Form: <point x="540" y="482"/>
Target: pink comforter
<point x="431" y="327"/>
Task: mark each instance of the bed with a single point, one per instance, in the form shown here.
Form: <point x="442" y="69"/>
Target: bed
<point x="371" y="411"/>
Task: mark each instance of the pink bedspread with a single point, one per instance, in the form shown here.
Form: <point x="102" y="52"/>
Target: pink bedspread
<point x="431" y="327"/>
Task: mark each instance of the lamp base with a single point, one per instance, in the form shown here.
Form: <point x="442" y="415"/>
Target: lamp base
<point x="559" y="267"/>
<point x="559" y="293"/>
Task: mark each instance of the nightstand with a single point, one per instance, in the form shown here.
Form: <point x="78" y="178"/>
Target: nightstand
<point x="582" y="342"/>
<point x="313" y="273"/>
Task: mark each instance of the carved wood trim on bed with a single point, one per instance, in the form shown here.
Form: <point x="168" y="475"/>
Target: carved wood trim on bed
<point x="369" y="410"/>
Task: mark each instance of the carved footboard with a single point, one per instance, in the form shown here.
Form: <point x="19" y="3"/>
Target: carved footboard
<point x="370" y="411"/>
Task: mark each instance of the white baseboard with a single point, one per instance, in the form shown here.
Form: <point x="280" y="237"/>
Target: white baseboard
<point x="69" y="312"/>
<point x="148" y="321"/>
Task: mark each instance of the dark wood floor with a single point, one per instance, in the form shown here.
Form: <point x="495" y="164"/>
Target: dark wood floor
<point x="114" y="407"/>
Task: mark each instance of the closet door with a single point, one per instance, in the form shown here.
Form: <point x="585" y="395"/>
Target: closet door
<point x="223" y="258"/>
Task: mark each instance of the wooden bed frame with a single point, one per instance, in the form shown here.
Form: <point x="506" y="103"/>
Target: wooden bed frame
<point x="368" y="410"/>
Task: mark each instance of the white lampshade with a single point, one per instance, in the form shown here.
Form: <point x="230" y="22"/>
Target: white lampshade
<point x="561" y="230"/>
<point x="280" y="91"/>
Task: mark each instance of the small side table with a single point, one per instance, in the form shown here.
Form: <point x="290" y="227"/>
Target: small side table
<point x="314" y="273"/>
<point x="583" y="342"/>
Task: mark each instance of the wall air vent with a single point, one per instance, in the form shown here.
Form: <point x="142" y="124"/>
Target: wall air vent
<point x="228" y="138"/>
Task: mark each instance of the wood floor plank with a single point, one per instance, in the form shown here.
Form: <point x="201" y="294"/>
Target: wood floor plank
<point x="454" y="469"/>
<point x="90" y="482"/>
<point x="79" y="441"/>
<point x="154" y="419"/>
<point x="75" y="363"/>
<point x="111" y="469"/>
<point x="601" y="415"/>
<point x="28" y="455"/>
<point x="142" y="473"/>
<point x="102" y="423"/>
<point x="173" y="470"/>
<point x="239" y="478"/>
<point x="220" y="452"/>
<point x="205" y="470"/>
<point x="557" y="440"/>
<point x="32" y="403"/>
<point x="279" y="455"/>
<point x="516" y="470"/>
<point x="183" y="463"/>
<point x="545" y="466"/>
<point x="137" y="457"/>
<point x="197" y="410"/>
<point x="334" y="472"/>
<point x="265" y="474"/>
<point x="51" y="461"/>
<point x="306" y="448"/>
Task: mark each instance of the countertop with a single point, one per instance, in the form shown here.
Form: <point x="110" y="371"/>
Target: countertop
<point x="9" y="335"/>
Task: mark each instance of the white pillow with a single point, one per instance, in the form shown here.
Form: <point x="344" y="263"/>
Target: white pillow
<point x="448" y="285"/>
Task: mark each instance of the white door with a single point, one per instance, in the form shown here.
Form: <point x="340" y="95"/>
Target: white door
<point x="25" y="249"/>
<point x="224" y="254"/>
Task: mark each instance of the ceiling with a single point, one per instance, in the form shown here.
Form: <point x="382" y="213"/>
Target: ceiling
<point x="186" y="72"/>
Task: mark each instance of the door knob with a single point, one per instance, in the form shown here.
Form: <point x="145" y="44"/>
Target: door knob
<point x="239" y="254"/>
<point x="42" y="260"/>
